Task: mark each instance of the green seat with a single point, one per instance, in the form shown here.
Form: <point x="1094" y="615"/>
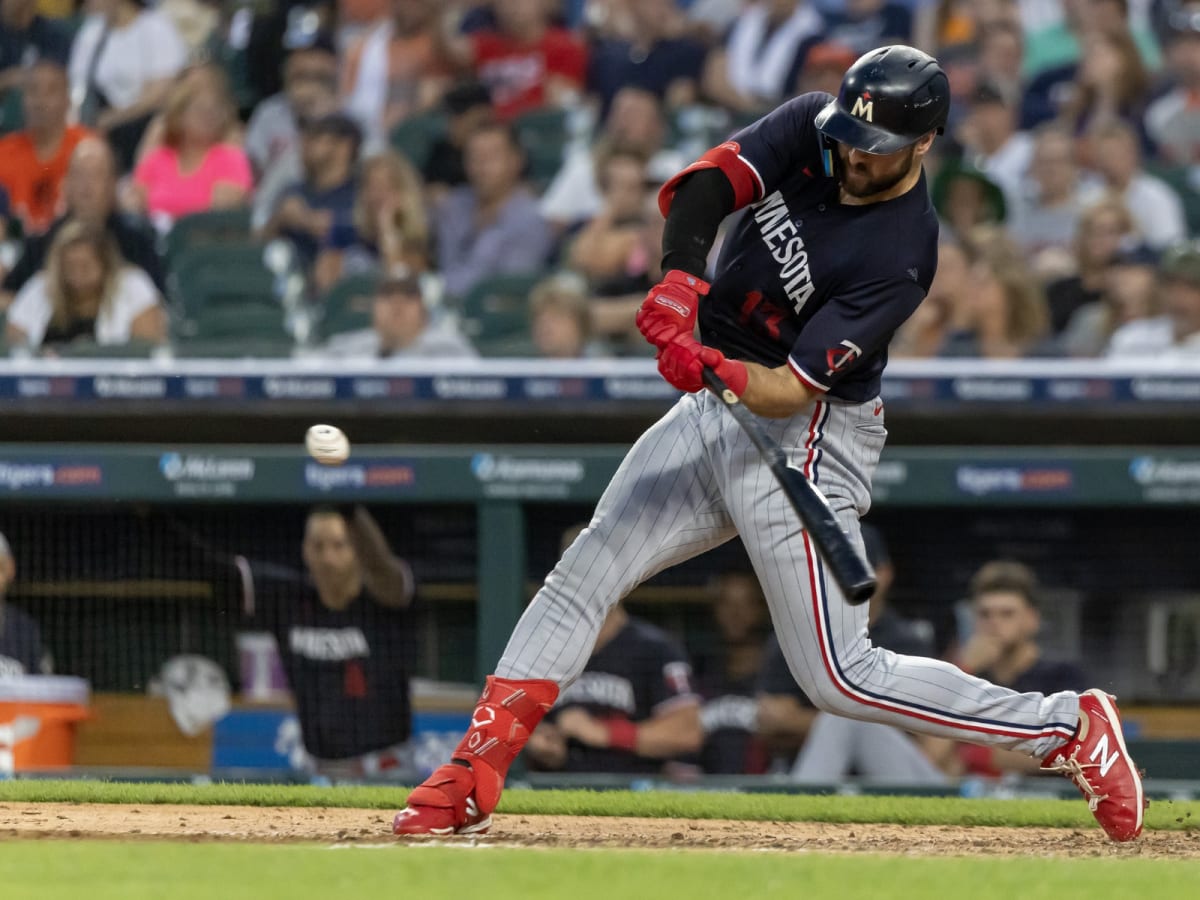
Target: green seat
<point x="347" y="305"/>
<point x="498" y="309"/>
<point x="247" y="322"/>
<point x="227" y="226"/>
<point x="415" y="136"/>
<point x="12" y="111"/>
<point x="543" y="134"/>
<point x="221" y="275"/>
<point x="91" y="350"/>
<point x="233" y="348"/>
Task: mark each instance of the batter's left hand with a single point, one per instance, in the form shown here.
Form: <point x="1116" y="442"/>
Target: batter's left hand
<point x="682" y="363"/>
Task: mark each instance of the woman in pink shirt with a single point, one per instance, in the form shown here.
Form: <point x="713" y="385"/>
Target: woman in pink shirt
<point x="195" y="169"/>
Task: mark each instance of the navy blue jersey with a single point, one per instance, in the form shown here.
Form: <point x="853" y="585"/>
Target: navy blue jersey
<point x="638" y="674"/>
<point x="20" y="643"/>
<point x="803" y="279"/>
<point x="348" y="669"/>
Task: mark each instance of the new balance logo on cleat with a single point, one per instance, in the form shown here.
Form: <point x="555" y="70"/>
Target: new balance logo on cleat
<point x="1098" y="762"/>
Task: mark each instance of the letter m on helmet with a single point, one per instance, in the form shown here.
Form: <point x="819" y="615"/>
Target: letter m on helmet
<point x="864" y="108"/>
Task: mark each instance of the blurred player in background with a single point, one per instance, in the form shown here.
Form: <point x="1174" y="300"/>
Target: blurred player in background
<point x="20" y="638"/>
<point x="346" y="643"/>
<point x="631" y="710"/>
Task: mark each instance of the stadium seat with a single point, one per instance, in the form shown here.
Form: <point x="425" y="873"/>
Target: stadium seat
<point x="255" y="321"/>
<point x="347" y="305"/>
<point x="92" y="350"/>
<point x="229" y="276"/>
<point x="12" y="112"/>
<point x="218" y="226"/>
<point x="497" y="309"/>
<point x="543" y="134"/>
<point x="415" y="136"/>
<point x="234" y="348"/>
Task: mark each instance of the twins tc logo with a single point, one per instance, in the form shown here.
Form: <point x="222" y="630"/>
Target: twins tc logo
<point x="841" y="356"/>
<point x="864" y="107"/>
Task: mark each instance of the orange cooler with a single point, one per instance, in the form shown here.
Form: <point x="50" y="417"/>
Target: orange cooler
<point x="38" y="716"/>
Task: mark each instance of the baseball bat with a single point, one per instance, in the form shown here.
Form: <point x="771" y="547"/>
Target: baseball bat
<point x="851" y="572"/>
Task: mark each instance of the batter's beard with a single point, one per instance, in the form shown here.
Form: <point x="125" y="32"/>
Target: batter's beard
<point x="864" y="191"/>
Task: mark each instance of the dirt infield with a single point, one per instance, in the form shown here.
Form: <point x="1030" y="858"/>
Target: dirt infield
<point x="351" y="826"/>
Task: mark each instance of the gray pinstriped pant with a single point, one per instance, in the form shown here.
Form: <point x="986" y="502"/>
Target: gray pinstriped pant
<point x="692" y="482"/>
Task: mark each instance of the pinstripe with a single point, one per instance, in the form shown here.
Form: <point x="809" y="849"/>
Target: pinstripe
<point x="684" y="487"/>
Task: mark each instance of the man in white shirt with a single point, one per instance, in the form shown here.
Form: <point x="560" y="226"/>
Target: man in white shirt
<point x="992" y="141"/>
<point x="1176" y="333"/>
<point x="1155" y="206"/>
<point x="401" y="328"/>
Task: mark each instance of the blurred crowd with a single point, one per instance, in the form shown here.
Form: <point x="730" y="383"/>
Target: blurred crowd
<point x="372" y="179"/>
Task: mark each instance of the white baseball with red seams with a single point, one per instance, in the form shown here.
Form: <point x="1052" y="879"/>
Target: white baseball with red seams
<point x="327" y="444"/>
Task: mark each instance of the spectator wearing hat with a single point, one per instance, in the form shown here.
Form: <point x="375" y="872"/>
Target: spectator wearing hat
<point x="965" y="198"/>
<point x="401" y="328"/>
<point x="993" y="143"/>
<point x="1176" y="333"/>
<point x="467" y="105"/>
<point x="27" y="37"/>
<point x="21" y="650"/>
<point x="490" y="226"/>
<point x="1173" y="120"/>
<point x="1117" y="158"/>
<point x="308" y="210"/>
<point x="122" y="66"/>
<point x="310" y="76"/>
<point x="1129" y="294"/>
<point x="760" y="61"/>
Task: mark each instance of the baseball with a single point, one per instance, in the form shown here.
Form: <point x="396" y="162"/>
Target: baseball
<point x="327" y="444"/>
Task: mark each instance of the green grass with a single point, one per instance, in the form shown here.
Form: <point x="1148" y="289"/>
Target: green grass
<point x="130" y="871"/>
<point x="651" y="804"/>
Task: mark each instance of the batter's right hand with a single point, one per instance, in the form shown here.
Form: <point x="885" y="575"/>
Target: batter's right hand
<point x="669" y="309"/>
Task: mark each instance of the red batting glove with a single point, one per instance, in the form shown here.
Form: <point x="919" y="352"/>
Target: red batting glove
<point x="679" y="363"/>
<point x="730" y="371"/>
<point x="682" y="363"/>
<point x="669" y="310"/>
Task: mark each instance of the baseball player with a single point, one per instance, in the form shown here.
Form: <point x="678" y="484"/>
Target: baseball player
<point x="834" y="248"/>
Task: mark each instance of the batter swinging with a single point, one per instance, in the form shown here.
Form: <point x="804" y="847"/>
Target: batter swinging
<point x="835" y="248"/>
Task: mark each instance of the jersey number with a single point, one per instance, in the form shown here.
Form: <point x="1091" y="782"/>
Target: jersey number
<point x="767" y="312"/>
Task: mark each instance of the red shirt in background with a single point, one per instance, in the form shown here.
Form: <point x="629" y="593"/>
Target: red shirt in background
<point x="34" y="184"/>
<point x="516" y="72"/>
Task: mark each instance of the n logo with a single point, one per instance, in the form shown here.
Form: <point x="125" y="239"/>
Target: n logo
<point x="1101" y="752"/>
<point x="864" y="108"/>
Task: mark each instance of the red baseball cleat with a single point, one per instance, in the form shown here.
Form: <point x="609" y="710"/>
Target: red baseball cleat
<point x="1097" y="760"/>
<point x="458" y="798"/>
<point x="444" y="804"/>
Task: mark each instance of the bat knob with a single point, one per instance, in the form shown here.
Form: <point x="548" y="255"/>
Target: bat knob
<point x="860" y="592"/>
